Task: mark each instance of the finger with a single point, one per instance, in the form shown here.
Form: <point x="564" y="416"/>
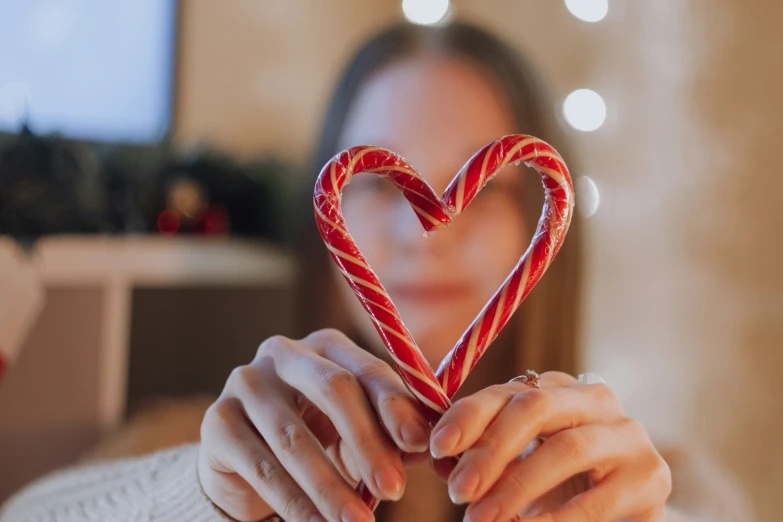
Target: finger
<point x="556" y="380"/>
<point x="529" y="414"/>
<point x="529" y="410"/>
<point x="242" y="459"/>
<point x="336" y="392"/>
<point x="273" y="413"/>
<point x="607" y="502"/>
<point x="345" y="459"/>
<point x="653" y="515"/>
<point x="474" y="413"/>
<point x="398" y="409"/>
<point x="466" y="420"/>
<point x="599" y="449"/>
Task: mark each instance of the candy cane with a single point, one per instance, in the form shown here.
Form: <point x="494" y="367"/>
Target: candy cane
<point x="434" y="391"/>
<point x="547" y="240"/>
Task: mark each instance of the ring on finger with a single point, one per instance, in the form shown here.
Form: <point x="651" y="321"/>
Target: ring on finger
<point x="530" y="378"/>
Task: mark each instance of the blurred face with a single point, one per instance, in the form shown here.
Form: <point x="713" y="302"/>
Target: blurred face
<point x="436" y="113"/>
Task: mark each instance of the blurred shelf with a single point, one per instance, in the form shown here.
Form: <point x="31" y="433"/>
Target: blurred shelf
<point x="160" y="261"/>
<point x="68" y="266"/>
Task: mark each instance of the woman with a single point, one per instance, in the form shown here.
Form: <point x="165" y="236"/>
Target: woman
<point x="300" y="425"/>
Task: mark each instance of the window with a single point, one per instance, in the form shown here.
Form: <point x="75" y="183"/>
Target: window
<point x="89" y="69"/>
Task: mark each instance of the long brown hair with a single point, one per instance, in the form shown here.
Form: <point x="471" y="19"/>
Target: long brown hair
<point x="542" y="335"/>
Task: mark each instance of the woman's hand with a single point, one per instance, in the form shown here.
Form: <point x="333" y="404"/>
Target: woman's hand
<point x="586" y="437"/>
<point x="297" y="428"/>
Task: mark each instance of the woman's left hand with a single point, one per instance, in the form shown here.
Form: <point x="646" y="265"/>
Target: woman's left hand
<point x="585" y="433"/>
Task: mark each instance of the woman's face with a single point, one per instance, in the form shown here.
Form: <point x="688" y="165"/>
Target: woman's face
<point x="436" y="113"/>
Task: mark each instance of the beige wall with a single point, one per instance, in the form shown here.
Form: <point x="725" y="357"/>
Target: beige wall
<point x="685" y="313"/>
<point x="255" y="75"/>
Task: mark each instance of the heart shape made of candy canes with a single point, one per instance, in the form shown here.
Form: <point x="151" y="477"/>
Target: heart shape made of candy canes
<point x="434" y="389"/>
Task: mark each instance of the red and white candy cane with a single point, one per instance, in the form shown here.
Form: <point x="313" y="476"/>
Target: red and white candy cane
<point x="549" y="236"/>
<point x="434" y="391"/>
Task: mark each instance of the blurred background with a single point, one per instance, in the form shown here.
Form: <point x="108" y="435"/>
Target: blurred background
<point x="148" y="149"/>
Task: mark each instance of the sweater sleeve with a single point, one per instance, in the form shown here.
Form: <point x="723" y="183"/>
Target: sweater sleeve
<point x="160" y="487"/>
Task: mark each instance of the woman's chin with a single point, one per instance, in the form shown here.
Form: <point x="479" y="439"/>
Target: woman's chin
<point x="435" y="333"/>
<point x="435" y="345"/>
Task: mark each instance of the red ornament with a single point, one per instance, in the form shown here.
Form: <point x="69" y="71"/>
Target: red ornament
<point x="168" y="222"/>
<point x="216" y="220"/>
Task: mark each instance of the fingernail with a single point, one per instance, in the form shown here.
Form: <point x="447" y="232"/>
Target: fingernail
<point x="445" y="440"/>
<point x="317" y="518"/>
<point x="355" y="513"/>
<point x="390" y="482"/>
<point x="486" y="511"/>
<point x="416" y="435"/>
<point x="463" y="486"/>
<point x="591" y="378"/>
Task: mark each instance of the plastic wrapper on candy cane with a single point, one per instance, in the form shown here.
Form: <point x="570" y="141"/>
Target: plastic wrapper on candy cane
<point x="434" y="389"/>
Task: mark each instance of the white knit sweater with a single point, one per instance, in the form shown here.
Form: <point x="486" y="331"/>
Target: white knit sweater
<point x="164" y="485"/>
<point x="156" y="488"/>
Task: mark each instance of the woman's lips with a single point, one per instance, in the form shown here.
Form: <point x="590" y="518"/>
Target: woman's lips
<point x="428" y="293"/>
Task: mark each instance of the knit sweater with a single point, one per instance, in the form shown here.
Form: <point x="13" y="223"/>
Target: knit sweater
<point x="160" y="487"/>
<point x="164" y="486"/>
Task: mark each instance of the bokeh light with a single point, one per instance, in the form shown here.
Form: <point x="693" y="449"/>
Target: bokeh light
<point x="588" y="196"/>
<point x="588" y="10"/>
<point x="426" y="12"/>
<point x="584" y="110"/>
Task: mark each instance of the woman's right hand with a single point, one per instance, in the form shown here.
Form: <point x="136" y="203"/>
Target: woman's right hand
<point x="296" y="429"/>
